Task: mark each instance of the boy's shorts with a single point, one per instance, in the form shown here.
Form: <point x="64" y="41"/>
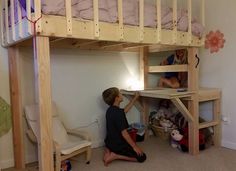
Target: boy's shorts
<point x="129" y="152"/>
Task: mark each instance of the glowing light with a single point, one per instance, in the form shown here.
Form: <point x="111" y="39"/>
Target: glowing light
<point x="134" y="84"/>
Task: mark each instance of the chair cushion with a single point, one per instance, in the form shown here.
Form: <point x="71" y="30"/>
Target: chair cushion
<point x="59" y="132"/>
<point x="71" y="146"/>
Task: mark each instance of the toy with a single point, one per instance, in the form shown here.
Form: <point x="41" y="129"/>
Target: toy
<point x="176" y="137"/>
<point x="181" y="140"/>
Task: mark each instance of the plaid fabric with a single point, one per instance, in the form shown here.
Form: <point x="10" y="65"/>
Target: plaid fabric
<point x="5" y="117"/>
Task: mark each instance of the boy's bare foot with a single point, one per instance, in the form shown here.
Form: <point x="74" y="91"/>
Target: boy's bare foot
<point x="109" y="157"/>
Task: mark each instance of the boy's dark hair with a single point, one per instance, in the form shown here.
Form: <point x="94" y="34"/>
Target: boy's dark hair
<point x="109" y="95"/>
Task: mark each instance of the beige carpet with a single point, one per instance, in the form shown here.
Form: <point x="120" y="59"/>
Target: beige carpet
<point x="162" y="157"/>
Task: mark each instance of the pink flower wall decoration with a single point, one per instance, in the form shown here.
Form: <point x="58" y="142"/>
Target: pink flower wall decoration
<point x="214" y="41"/>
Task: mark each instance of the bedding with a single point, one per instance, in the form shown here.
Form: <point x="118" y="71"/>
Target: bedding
<point x="83" y="9"/>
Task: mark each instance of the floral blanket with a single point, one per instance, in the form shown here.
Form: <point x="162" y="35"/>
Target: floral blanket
<point x="5" y="117"/>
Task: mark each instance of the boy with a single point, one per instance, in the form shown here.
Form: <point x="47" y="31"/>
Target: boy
<point x="119" y="144"/>
<point x="174" y="79"/>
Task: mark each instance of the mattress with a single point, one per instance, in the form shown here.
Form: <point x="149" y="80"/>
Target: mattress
<point x="83" y="9"/>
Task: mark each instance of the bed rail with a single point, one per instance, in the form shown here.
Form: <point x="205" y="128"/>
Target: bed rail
<point x="16" y="26"/>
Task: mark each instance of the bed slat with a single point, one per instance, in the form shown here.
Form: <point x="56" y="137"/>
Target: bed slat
<point x="28" y="13"/>
<point x="19" y="20"/>
<point x="68" y="17"/>
<point x="141" y="19"/>
<point x="13" y="28"/>
<point x="189" y="21"/>
<point x="37" y="7"/>
<point x="174" y="38"/>
<point x="96" y="19"/>
<point x="120" y="17"/>
<point x="2" y="26"/>
<point x="158" y="4"/>
<point x="7" y="22"/>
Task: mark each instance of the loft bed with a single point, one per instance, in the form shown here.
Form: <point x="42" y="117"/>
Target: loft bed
<point x="110" y="20"/>
<point x="25" y="20"/>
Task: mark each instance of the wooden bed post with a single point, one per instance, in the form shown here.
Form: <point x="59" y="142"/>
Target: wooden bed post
<point x="193" y="104"/>
<point x="144" y="77"/>
<point x="43" y="79"/>
<point x="16" y="108"/>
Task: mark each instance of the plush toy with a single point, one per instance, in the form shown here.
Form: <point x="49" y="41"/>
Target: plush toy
<point x="175" y="138"/>
<point x="181" y="140"/>
<point x="184" y="141"/>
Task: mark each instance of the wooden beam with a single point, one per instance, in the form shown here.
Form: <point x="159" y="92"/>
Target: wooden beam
<point x="43" y="79"/>
<point x="217" y="118"/>
<point x="143" y="58"/>
<point x="79" y="44"/>
<point x="110" y="44"/>
<point x="168" y="68"/>
<point x="208" y="124"/>
<point x="193" y="105"/>
<point x="182" y="108"/>
<point x="16" y="107"/>
<point x="68" y="17"/>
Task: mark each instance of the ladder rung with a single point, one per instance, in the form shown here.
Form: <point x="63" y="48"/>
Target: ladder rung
<point x="208" y="124"/>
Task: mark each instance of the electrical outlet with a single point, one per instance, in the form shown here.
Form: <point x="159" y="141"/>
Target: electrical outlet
<point x="225" y="119"/>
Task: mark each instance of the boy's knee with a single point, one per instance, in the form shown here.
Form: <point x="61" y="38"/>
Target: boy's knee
<point x="142" y="158"/>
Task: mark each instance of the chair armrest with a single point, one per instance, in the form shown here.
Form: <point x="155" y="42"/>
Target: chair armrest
<point x="31" y="136"/>
<point x="82" y="134"/>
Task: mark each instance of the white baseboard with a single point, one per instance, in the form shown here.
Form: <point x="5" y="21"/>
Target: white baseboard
<point x="228" y="144"/>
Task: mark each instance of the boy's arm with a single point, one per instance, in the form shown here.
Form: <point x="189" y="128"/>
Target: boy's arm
<point x="129" y="140"/>
<point x="131" y="103"/>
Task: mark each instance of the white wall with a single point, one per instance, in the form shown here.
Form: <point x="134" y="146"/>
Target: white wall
<point x="217" y="70"/>
<point x="6" y="146"/>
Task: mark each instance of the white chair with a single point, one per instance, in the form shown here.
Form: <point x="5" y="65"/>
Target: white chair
<point x="67" y="143"/>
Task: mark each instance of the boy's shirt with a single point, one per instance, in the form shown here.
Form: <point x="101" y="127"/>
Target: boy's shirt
<point x="116" y="122"/>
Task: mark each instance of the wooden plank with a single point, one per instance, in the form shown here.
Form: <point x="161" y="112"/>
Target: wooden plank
<point x="208" y="94"/>
<point x="120" y="18"/>
<point x="38" y="9"/>
<point x="193" y="105"/>
<point x="208" y="124"/>
<point x="174" y="34"/>
<point x="141" y="19"/>
<point x="86" y="43"/>
<point x="217" y="118"/>
<point x="68" y="17"/>
<point x="13" y="28"/>
<point x="43" y="78"/>
<point x="28" y="14"/>
<point x="143" y="58"/>
<point x="168" y="68"/>
<point x="16" y="108"/>
<point x="158" y="7"/>
<point x="96" y="19"/>
<point x="2" y="26"/>
<point x="182" y="108"/>
<point x="19" y="19"/>
<point x="203" y="20"/>
<point x="7" y="22"/>
<point x="190" y="21"/>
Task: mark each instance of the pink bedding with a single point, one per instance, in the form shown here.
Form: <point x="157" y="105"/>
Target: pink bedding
<point x="83" y="9"/>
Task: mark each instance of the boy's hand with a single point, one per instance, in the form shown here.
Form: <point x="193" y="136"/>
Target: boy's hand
<point x="138" y="150"/>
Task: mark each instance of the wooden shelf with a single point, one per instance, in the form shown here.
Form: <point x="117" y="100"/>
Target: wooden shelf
<point x="208" y="124"/>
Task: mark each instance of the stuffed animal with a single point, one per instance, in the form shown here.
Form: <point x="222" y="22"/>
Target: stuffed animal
<point x="181" y="140"/>
<point x="184" y="141"/>
<point x="175" y="138"/>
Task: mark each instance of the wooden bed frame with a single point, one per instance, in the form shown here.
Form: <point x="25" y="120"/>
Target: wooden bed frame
<point x="46" y="30"/>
